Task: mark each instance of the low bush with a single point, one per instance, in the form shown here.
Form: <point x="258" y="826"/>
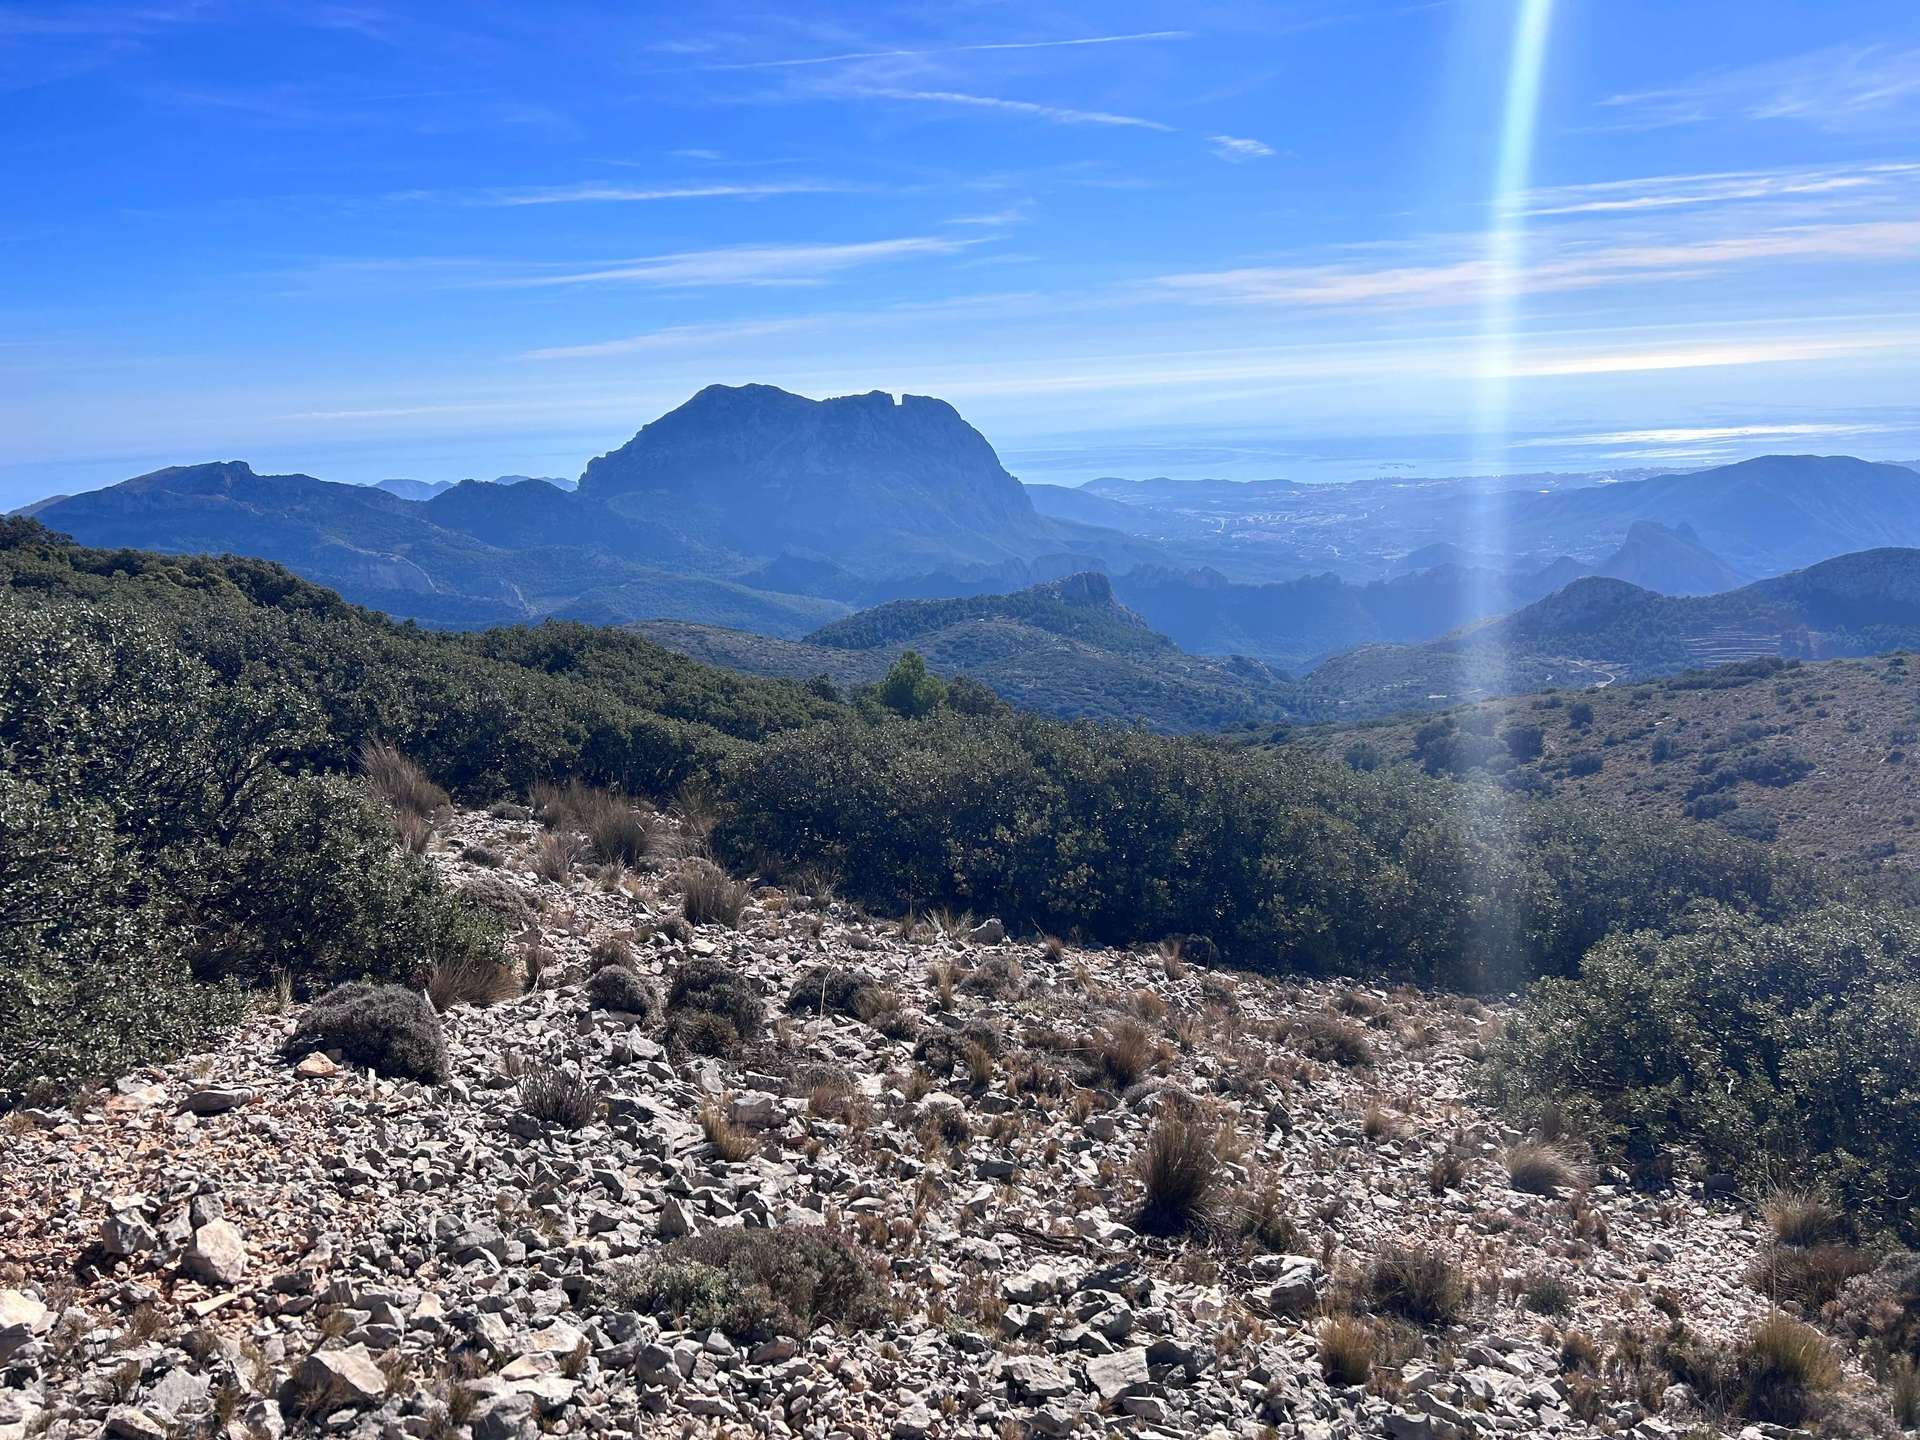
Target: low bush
<point x="614" y="987"/>
<point x="388" y="1028"/>
<point x="499" y="896"/>
<point x="1545" y="1293"/>
<point x="1334" y="1041"/>
<point x="613" y="950"/>
<point x="1784" y="1050"/>
<point x="1882" y="1306"/>
<point x="831" y="990"/>
<point x="705" y="985"/>
<point x="752" y="1284"/>
<point x="699" y="1032"/>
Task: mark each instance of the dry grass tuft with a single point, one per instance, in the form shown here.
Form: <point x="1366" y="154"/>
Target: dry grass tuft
<point x="554" y="856"/>
<point x="401" y="784"/>
<point x="1181" y="1174"/>
<point x="1540" y="1167"/>
<point x="472" y="980"/>
<point x="729" y="1141"/>
<point x="708" y="896"/>
<point x="1418" y="1284"/>
<point x="1334" y="1041"/>
<point x="1797" y="1217"/>
<point x="1785" y="1368"/>
<point x="554" y="1095"/>
<point x="1346" y="1350"/>
<point x="1124" y="1051"/>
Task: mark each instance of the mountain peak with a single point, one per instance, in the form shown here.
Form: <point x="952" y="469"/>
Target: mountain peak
<point x="757" y="466"/>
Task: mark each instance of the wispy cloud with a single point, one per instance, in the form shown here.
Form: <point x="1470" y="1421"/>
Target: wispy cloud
<point x="802" y="264"/>
<point x="674" y="337"/>
<point x="1056" y="114"/>
<point x="1662" y="192"/>
<point x="1236" y="148"/>
<point x="596" y="192"/>
<point x="1695" y="434"/>
<point x="1468" y="281"/>
<point x="857" y="56"/>
<point x="1839" y="88"/>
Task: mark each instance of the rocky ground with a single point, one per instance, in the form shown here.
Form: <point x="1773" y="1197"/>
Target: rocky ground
<point x="240" y="1244"/>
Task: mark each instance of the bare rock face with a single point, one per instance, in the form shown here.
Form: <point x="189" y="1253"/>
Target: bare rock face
<point x="339" y="1379"/>
<point x="217" y="1254"/>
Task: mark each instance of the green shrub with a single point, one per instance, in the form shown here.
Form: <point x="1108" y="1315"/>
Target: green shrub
<point x="1287" y="862"/>
<point x="751" y="1283"/>
<point x="615" y="987"/>
<point x="909" y="690"/>
<point x="150" y="840"/>
<point x="831" y="990"/>
<point x="1786" y="1050"/>
<point x="705" y="985"/>
<point x="388" y="1028"/>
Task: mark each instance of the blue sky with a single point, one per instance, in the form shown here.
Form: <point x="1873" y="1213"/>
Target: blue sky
<point x="1261" y="239"/>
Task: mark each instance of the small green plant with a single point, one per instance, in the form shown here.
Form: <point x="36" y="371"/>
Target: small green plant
<point x="909" y="689"/>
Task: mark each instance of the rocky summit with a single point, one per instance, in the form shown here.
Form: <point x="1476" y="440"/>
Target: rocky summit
<point x="935" y="1180"/>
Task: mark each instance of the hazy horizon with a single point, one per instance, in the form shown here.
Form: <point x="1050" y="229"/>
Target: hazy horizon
<point x="1285" y="239"/>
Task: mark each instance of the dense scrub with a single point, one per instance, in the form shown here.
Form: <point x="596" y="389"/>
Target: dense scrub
<point x="176" y="824"/>
<point x="157" y="854"/>
<point x="1284" y="861"/>
<point x="1783" y="1049"/>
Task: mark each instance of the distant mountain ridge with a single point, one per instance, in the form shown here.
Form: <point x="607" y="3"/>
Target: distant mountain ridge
<point x="1605" y="631"/>
<point x="1067" y="648"/>
<point x="735" y="481"/>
